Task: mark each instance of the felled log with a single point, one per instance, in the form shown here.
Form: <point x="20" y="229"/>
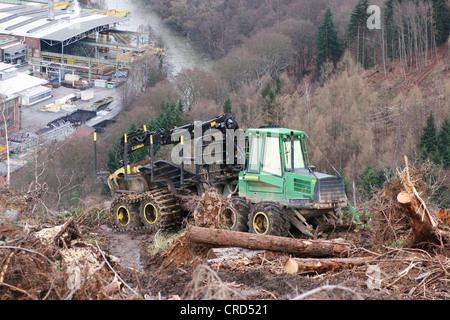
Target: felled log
<point x="299" y="247"/>
<point x="301" y="265"/>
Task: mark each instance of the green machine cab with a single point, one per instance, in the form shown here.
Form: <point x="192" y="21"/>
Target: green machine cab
<point x="281" y="185"/>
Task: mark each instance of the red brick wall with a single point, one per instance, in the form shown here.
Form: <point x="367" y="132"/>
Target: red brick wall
<point x="32" y="42"/>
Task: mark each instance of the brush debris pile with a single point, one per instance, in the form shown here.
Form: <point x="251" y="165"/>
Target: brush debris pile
<point x="207" y="213"/>
<point x="402" y="214"/>
<point x="54" y="264"/>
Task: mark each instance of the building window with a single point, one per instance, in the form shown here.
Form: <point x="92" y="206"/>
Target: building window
<point x="40" y="97"/>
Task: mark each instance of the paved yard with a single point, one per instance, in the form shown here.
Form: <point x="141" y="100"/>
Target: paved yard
<point x="34" y="119"/>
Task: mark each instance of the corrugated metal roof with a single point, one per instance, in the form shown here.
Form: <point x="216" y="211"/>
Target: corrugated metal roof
<point x="24" y="23"/>
<point x="78" y="26"/>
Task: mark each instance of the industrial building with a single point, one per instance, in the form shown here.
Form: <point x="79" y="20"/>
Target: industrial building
<point x="73" y="40"/>
<point x="50" y="41"/>
<point x="44" y="29"/>
<point x="56" y="42"/>
<point x="16" y="90"/>
<point x="12" y="50"/>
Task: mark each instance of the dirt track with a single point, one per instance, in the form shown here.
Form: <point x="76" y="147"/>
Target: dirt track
<point x="266" y="280"/>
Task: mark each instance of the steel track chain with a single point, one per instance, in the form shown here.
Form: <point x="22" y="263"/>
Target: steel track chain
<point x="166" y="202"/>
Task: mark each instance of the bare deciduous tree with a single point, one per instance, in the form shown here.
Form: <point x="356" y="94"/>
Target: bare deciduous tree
<point x="5" y="116"/>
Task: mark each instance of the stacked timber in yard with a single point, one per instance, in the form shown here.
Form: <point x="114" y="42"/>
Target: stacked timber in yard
<point x="103" y="70"/>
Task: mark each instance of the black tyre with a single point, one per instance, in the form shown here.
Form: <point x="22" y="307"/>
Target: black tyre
<point x="235" y="215"/>
<point x="267" y="218"/>
<point x="159" y="209"/>
<point x="125" y="215"/>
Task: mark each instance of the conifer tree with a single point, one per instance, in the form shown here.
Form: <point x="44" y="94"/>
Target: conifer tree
<point x="367" y="179"/>
<point x="227" y="106"/>
<point x="443" y="140"/>
<point x="271" y="110"/>
<point x="356" y="31"/>
<point x="441" y="20"/>
<point x="328" y="46"/>
<point x="428" y="139"/>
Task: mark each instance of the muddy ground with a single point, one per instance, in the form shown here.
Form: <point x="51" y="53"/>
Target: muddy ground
<point x="144" y="267"/>
<point x="81" y="257"/>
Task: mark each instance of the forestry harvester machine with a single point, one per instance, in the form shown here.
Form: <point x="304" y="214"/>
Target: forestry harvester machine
<point x="263" y="173"/>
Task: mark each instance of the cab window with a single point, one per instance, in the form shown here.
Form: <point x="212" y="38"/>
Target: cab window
<point x="272" y="157"/>
<point x="299" y="162"/>
<point x="254" y="154"/>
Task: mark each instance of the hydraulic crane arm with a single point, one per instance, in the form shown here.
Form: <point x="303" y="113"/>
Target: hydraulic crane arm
<point x="143" y="138"/>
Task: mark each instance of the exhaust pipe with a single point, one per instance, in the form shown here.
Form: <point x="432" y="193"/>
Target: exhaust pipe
<point x="51" y="10"/>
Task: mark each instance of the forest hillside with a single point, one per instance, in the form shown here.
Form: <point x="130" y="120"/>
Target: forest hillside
<point x="363" y="100"/>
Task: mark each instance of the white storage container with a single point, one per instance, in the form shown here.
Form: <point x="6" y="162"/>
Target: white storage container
<point x="100" y="83"/>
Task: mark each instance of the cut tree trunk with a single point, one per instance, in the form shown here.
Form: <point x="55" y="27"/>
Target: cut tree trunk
<point x="422" y="223"/>
<point x="423" y="230"/>
<point x="299" y="247"/>
<point x="424" y="226"/>
<point x="301" y="265"/>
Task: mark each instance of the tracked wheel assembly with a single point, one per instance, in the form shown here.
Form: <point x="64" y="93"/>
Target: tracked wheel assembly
<point x="153" y="209"/>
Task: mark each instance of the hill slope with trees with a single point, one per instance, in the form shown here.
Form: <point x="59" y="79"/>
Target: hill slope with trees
<point x="362" y="95"/>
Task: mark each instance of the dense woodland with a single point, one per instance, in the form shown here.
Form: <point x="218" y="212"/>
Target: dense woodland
<point x="365" y="97"/>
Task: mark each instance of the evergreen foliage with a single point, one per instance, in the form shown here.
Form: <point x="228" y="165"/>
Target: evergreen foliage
<point x="441" y="20"/>
<point x="328" y="46"/>
<point x="227" y="106"/>
<point x="356" y="32"/>
<point x="435" y="146"/>
<point x="271" y="109"/>
<point x="428" y="140"/>
<point x="370" y="180"/>
<point x="170" y="116"/>
<point x="443" y="140"/>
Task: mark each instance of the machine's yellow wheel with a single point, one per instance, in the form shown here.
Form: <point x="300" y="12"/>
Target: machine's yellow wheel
<point x="268" y="218"/>
<point x="125" y="215"/>
<point x="159" y="208"/>
<point x="235" y="215"/>
<point x="150" y="213"/>
<point x="261" y="223"/>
